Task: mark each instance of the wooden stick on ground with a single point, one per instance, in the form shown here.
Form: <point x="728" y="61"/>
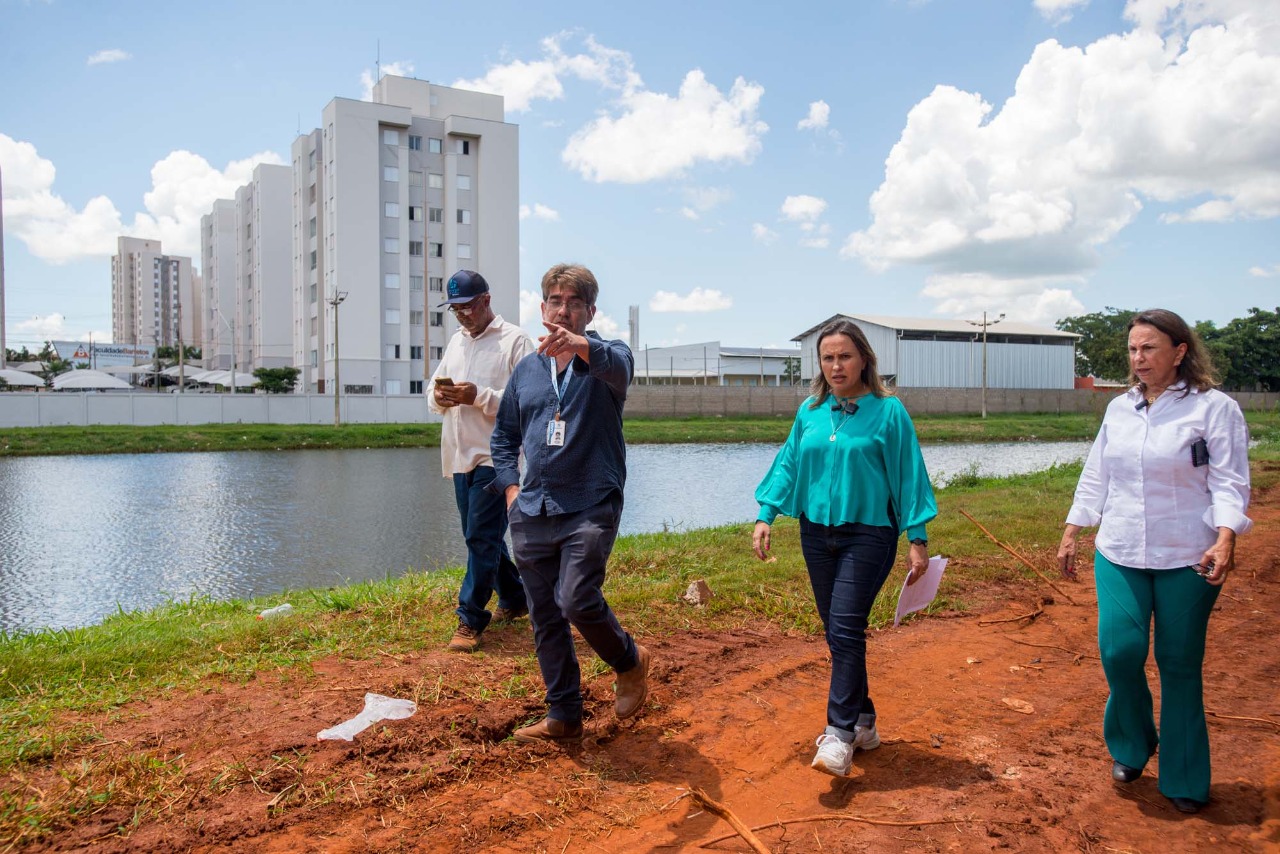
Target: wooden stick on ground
<point x="1051" y="646"/>
<point x="1251" y="720"/>
<point x="876" y="821"/>
<point x="1037" y="612"/>
<point x="736" y="823"/>
<point x="1029" y="564"/>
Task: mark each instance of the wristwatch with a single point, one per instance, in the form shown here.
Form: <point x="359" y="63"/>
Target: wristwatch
<point x="918" y="541"/>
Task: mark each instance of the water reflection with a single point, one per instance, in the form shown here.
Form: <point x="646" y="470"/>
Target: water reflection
<point x="82" y="535"/>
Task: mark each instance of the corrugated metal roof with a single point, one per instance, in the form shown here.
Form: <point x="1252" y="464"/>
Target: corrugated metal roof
<point x="767" y="352"/>
<point x="932" y="324"/>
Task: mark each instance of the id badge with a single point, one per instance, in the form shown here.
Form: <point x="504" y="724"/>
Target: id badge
<point x="555" y="433"/>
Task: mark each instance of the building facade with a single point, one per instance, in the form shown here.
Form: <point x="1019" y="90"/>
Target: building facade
<point x="389" y="198"/>
<point x="152" y="296"/>
<point x="932" y="353"/>
<point x="218" y="276"/>
<point x="711" y="363"/>
<point x="264" y="270"/>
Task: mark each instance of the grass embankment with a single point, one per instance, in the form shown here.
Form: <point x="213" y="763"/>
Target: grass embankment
<point x="270" y="437"/>
<point x="53" y="682"/>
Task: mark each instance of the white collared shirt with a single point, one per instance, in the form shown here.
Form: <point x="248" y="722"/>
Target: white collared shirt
<point x="486" y="360"/>
<point x="1157" y="510"/>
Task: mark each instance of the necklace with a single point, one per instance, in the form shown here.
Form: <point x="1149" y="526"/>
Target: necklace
<point x="835" y="428"/>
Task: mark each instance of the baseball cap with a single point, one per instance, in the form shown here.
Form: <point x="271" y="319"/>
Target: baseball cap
<point x="464" y="286"/>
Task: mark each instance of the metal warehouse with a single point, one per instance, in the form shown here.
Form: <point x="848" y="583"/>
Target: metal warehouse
<point x="929" y="353"/>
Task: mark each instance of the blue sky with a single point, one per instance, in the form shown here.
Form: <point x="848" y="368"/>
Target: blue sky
<point x="740" y="172"/>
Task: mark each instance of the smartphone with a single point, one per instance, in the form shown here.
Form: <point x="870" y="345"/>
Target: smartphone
<point x="443" y="381"/>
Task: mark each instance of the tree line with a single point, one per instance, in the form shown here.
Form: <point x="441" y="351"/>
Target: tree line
<point x="1245" y="351"/>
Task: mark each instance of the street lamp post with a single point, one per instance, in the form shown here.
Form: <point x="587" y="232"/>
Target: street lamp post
<point x="232" y="327"/>
<point x="335" y="301"/>
<point x="984" y="324"/>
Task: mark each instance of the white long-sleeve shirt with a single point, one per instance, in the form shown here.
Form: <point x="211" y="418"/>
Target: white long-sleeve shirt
<point x="486" y="360"/>
<point x="1156" y="509"/>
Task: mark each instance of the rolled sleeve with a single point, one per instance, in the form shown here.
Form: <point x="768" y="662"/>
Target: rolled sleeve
<point x="1228" y="479"/>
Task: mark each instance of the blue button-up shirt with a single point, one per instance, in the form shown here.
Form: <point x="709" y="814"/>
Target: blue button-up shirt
<point x="592" y="462"/>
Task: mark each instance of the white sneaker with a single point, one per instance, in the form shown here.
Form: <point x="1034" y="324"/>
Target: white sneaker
<point x="865" y="738"/>
<point x="834" y="756"/>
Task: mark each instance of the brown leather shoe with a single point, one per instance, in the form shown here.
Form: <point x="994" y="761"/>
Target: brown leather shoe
<point x="509" y="615"/>
<point x="633" y="686"/>
<point x="549" y="729"/>
<point x="465" y="639"/>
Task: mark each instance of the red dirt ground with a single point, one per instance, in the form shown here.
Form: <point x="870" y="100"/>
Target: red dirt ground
<point x="734" y="715"/>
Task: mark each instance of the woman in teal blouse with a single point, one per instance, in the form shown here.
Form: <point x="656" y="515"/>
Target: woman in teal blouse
<point x="852" y="473"/>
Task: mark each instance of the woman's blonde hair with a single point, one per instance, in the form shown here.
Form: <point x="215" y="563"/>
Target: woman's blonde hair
<point x="819" y="388"/>
<point x="1196" y="368"/>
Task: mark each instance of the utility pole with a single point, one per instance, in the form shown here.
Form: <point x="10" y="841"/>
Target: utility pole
<point x="181" y="361"/>
<point x="335" y="301"/>
<point x="985" y="324"/>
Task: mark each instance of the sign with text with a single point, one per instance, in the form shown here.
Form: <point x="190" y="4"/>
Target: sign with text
<point x="104" y="355"/>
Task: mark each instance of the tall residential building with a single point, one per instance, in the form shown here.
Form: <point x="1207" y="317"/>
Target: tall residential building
<point x="218" y="274"/>
<point x="390" y="197"/>
<point x="264" y="289"/>
<point x="148" y="293"/>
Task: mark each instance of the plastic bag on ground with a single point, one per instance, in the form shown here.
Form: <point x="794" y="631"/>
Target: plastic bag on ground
<point x="376" y="708"/>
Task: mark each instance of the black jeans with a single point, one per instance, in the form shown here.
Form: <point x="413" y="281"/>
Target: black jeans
<point x="848" y="564"/>
<point x="562" y="561"/>
<point x="489" y="567"/>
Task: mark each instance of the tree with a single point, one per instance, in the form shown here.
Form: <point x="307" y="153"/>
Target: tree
<point x="1103" y="348"/>
<point x="791" y="370"/>
<point x="1246" y="351"/>
<point x="276" y="380"/>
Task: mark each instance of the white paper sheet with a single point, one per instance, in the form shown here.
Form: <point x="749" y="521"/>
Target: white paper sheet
<point x="917" y="596"/>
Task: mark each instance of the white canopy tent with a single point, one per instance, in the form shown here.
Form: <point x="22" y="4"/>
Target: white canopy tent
<point x="82" y="380"/>
<point x="21" y="378"/>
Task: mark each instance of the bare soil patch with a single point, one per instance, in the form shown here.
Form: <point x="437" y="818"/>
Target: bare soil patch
<point x="995" y="729"/>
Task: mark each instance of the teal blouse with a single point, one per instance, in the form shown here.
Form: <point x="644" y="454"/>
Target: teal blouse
<point x="873" y="464"/>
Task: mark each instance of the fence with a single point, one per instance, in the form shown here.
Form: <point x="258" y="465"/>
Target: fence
<point x="49" y="409"/>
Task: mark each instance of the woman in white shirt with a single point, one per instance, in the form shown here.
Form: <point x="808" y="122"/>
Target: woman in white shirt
<point x="1167" y="484"/>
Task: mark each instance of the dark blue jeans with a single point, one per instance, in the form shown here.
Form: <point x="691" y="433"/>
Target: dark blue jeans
<point x="562" y="560"/>
<point x="489" y="566"/>
<point x="848" y="565"/>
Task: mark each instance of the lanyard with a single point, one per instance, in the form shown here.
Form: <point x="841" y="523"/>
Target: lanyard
<point x="555" y="384"/>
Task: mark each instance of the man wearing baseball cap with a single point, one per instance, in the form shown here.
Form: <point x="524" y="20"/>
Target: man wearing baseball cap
<point x="466" y="389"/>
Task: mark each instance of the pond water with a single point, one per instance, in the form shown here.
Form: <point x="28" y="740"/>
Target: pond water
<point x="81" y="536"/>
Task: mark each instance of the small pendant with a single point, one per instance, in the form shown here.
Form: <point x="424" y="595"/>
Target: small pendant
<point x="833" y="438"/>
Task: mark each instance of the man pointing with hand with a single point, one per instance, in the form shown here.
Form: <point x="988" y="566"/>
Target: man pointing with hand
<point x="563" y="408"/>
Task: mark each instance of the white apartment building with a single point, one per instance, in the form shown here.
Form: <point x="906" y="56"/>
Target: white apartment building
<point x="264" y="276"/>
<point x="390" y="197"/>
<point x="218" y="273"/>
<point x="152" y="298"/>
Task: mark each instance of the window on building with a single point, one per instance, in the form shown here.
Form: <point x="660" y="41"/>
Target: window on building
<point x="437" y="353"/>
<point x="315" y="358"/>
<point x="464" y="182"/>
<point x="415" y="178"/>
<point x="311" y="194"/>
<point x="391" y="315"/>
<point x="415" y="283"/>
<point x="437" y="318"/>
<point x="313" y="227"/>
<point x="435" y="146"/>
<point x="391" y="209"/>
<point x="415" y="318"/>
<point x="313" y="291"/>
<point x="391" y="351"/>
<point x="415" y="351"/>
<point x="390" y="137"/>
<point x="390" y="173"/>
<point x="393" y="386"/>
<point x="464" y="216"/>
<point x="437" y="284"/>
<point x="415" y="143"/>
<point x="415" y="386"/>
<point x="464" y="251"/>
<point x="390" y="244"/>
<point x="311" y="160"/>
<point x="435" y="214"/>
<point x="434" y="181"/>
<point x="415" y="213"/>
<point x="391" y="280"/>
<point x="435" y="250"/>
<point x="462" y="146"/>
<point x="313" y="259"/>
<point x="415" y="248"/>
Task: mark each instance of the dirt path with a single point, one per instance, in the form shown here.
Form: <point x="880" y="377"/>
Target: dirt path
<point x="734" y="715"/>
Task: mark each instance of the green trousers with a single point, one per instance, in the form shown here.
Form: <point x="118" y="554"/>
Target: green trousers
<point x="1180" y="601"/>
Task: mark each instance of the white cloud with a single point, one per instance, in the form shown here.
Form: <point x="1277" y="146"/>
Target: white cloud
<point x="110" y="55"/>
<point x="394" y="69"/>
<point x="699" y="300"/>
<point x="702" y="200"/>
<point x="606" y="326"/>
<point x="183" y="188"/>
<point x="1043" y="299"/>
<point x="1265" y="272"/>
<point x="531" y="311"/>
<point x="1059" y="11"/>
<point x="689" y="213"/>
<point x="520" y="83"/>
<point x="819" y="116"/>
<point x="655" y="136"/>
<point x="1032" y="190"/>
<point x="815" y="242"/>
<point x="539" y="211"/>
<point x="761" y="233"/>
<point x="803" y="208"/>
<point x="53" y="327"/>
